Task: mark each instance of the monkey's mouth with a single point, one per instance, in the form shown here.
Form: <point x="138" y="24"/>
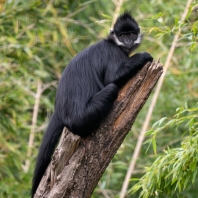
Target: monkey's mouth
<point x="131" y="48"/>
<point x="134" y="46"/>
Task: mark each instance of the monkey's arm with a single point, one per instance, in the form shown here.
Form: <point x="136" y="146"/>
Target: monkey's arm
<point x="131" y="67"/>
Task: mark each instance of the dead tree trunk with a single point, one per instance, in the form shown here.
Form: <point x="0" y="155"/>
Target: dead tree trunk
<point x="78" y="164"/>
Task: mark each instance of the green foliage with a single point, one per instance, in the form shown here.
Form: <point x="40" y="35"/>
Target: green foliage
<point x="172" y="172"/>
<point x="39" y="38"/>
<point x="37" y="41"/>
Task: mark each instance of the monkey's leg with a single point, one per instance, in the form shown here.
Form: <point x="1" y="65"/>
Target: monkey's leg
<point x="95" y="111"/>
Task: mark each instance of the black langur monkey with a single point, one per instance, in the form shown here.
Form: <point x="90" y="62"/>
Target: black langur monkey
<point x="89" y="86"/>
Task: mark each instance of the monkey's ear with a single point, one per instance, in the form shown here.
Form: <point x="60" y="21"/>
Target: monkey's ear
<point x="112" y="31"/>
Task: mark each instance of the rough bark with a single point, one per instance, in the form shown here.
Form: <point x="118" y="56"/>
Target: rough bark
<point x="78" y="164"/>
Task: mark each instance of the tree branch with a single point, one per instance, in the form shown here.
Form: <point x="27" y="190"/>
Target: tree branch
<point x="78" y="164"/>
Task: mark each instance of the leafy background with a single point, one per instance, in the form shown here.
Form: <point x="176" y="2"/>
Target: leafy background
<point x="39" y="38"/>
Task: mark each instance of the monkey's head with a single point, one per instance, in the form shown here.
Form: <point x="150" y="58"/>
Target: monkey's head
<point x="126" y="33"/>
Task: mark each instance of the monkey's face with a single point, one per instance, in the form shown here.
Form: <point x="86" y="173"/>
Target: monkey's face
<point x="129" y="39"/>
<point x="126" y="33"/>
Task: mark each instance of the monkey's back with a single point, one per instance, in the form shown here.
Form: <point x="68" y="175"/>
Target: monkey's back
<point x="87" y="73"/>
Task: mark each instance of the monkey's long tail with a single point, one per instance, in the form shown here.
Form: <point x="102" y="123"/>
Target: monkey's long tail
<point x="46" y="150"/>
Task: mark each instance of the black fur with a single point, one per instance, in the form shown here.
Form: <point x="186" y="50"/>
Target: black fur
<point x="88" y="88"/>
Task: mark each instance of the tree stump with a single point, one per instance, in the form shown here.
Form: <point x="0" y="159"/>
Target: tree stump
<point x="78" y="164"/>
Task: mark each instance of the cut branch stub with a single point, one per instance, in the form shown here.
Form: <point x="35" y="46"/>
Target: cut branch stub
<point x="67" y="146"/>
<point x="82" y="170"/>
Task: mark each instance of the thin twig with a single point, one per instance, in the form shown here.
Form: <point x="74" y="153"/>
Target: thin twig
<point x="40" y="89"/>
<point x="46" y="86"/>
<point x="22" y="86"/>
<point x="118" y="5"/>
<point x="34" y="121"/>
<point x="29" y="27"/>
<point x="77" y="22"/>
<point x="103" y="191"/>
<point x="151" y="107"/>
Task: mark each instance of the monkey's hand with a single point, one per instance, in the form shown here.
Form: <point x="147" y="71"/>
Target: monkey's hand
<point x="140" y="59"/>
<point x="146" y="56"/>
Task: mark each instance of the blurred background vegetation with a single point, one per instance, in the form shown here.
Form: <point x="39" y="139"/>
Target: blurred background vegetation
<point x="38" y="39"/>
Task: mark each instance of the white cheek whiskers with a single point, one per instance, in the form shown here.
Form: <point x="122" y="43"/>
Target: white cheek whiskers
<point x="139" y="39"/>
<point x="117" y="41"/>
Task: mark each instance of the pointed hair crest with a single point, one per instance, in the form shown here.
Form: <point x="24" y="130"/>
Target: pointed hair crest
<point x="124" y="23"/>
<point x="125" y="16"/>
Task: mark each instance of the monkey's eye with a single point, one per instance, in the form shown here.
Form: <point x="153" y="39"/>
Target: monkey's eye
<point x="133" y="35"/>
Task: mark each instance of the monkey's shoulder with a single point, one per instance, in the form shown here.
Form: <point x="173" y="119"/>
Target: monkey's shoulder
<point x="104" y="52"/>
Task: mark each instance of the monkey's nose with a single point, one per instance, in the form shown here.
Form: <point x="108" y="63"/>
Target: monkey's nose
<point x="128" y="40"/>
